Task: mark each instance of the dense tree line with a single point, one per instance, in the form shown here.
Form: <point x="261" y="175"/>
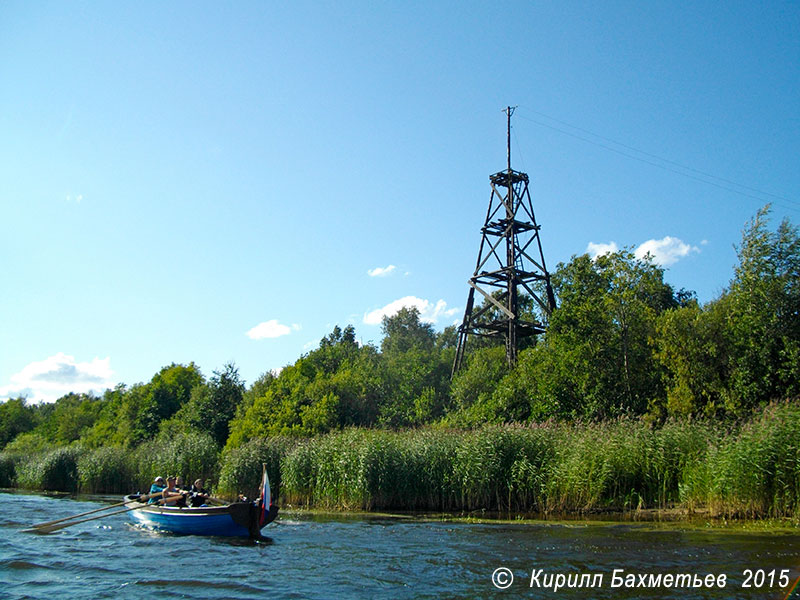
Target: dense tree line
<point x="622" y="342"/>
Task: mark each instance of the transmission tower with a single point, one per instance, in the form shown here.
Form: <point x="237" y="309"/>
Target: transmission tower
<point x="510" y="257"/>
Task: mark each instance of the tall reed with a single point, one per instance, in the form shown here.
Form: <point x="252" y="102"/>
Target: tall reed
<point x="188" y="455"/>
<point x="619" y="465"/>
<point x="240" y="468"/>
<point x="369" y="469"/>
<point x="756" y="472"/>
<point x="504" y="467"/>
<point x="106" y="470"/>
<point x="53" y="470"/>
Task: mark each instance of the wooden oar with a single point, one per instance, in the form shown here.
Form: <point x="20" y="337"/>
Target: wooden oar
<point x="52" y="528"/>
<point x="89" y="512"/>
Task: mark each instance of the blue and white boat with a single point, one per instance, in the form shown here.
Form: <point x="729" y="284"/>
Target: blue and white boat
<point x="237" y="519"/>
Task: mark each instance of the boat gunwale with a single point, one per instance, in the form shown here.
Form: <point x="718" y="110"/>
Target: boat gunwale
<point x="133" y="502"/>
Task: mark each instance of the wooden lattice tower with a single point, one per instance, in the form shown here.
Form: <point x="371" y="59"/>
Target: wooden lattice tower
<point x="510" y="257"/>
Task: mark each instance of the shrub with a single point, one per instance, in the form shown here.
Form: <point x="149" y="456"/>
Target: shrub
<point x="8" y="471"/>
<point x="27" y="445"/>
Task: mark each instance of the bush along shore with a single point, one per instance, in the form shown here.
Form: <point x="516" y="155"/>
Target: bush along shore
<point x="750" y="469"/>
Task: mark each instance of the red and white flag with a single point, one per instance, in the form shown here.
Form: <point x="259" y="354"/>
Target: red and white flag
<point x="266" y="496"/>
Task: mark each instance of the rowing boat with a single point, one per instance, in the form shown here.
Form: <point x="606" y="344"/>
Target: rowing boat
<point x="237" y="519"/>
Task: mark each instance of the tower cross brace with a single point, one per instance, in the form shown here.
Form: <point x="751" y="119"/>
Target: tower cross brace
<point x="510" y="257"/>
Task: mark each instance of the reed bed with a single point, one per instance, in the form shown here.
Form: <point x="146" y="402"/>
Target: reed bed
<point x="625" y="465"/>
<point x="111" y="469"/>
<point x="372" y="469"/>
<point x="51" y="470"/>
<point x="107" y="470"/>
<point x="754" y="471"/>
<point x="240" y="468"/>
<point x="750" y="469"/>
<point x="188" y="455"/>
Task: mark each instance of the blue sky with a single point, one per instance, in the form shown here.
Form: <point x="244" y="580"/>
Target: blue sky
<point x="218" y="182"/>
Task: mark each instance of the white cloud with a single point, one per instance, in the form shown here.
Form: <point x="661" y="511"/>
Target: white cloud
<point x="428" y="311"/>
<point x="49" y="379"/>
<point x="666" y="251"/>
<point x="381" y="271"/>
<point x="270" y="329"/>
<point x="596" y="250"/>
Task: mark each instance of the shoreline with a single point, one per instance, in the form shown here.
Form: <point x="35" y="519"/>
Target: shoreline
<point x="701" y="519"/>
<point x="696" y="519"/>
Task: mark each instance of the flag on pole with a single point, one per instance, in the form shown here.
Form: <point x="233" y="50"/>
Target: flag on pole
<point x="266" y="496"/>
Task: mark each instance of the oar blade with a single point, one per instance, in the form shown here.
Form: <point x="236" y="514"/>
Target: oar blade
<point x="38" y="530"/>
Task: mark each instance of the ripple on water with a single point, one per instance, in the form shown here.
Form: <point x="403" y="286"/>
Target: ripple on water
<point x="199" y="583"/>
<point x="350" y="556"/>
<point x="22" y="565"/>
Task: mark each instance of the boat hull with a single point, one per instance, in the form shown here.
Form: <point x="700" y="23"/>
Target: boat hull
<point x="239" y="519"/>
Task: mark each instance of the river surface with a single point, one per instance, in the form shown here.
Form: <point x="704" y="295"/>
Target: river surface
<point x="374" y="556"/>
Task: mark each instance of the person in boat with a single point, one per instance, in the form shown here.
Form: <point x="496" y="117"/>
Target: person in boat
<point x="184" y="489"/>
<point x="157" y="488"/>
<point x="173" y="496"/>
<point x="199" y="494"/>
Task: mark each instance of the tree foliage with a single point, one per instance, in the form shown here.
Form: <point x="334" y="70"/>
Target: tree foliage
<point x="416" y="370"/>
<point x="16" y="417"/>
<point x="333" y="386"/>
<point x="621" y="342"/>
<point x="765" y="314"/>
<point x="211" y="407"/>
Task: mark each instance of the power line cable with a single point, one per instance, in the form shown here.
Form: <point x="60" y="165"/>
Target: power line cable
<point x="796" y="204"/>
<point x="666" y="160"/>
<point x="519" y="150"/>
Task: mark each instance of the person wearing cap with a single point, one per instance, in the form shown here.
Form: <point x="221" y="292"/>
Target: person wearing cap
<point x="159" y="485"/>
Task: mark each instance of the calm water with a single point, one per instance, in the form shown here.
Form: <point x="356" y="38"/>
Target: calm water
<point x="369" y="557"/>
